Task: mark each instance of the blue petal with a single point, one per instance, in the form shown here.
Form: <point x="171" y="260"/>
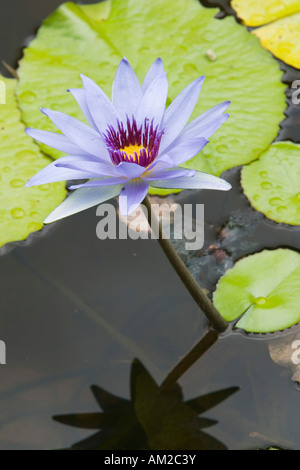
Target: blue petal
<point x="179" y="112"/>
<point x="204" y="125"/>
<point x="53" y="172"/>
<point x="101" y="108"/>
<point x="81" y="134"/>
<point x="157" y="68"/>
<point x="94" y="168"/>
<point x="199" y="181"/>
<point x="129" y="170"/>
<point x="162" y="162"/>
<point x="82" y="199"/>
<point x="56" y="141"/>
<point x="79" y="95"/>
<point x="132" y="195"/>
<point x="169" y="174"/>
<point x="127" y="92"/>
<point x="99" y="182"/>
<point x="153" y="103"/>
<point x="182" y="150"/>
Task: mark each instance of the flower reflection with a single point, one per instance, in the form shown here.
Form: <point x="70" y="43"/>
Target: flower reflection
<point x="154" y="418"/>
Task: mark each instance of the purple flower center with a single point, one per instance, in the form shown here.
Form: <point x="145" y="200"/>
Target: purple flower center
<point x="133" y="144"/>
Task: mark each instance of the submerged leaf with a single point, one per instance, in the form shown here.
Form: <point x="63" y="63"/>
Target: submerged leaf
<point x="74" y="40"/>
<point x="261" y="291"/>
<point x="272" y="183"/>
<point x="22" y="210"/>
<point x="285" y="352"/>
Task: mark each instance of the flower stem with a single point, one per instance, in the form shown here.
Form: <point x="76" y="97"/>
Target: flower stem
<point x="217" y="321"/>
<point x="190" y="358"/>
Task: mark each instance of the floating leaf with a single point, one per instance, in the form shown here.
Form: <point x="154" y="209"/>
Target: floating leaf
<point x="258" y="12"/>
<point x="22" y="210"/>
<point x="78" y="39"/>
<point x="282" y="38"/>
<point x="282" y="35"/>
<point x="272" y="183"/>
<point x="262" y="291"/>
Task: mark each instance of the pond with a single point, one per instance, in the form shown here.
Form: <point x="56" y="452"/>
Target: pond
<point x="78" y="312"/>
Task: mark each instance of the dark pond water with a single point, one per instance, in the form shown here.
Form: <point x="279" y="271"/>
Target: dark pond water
<point x="77" y="311"/>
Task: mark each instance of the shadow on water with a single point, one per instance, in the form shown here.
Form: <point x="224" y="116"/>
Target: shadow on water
<point x="77" y="310"/>
<point x="154" y="418"/>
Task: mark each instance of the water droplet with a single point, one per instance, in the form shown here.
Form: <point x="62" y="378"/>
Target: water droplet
<point x="144" y="50"/>
<point x="263" y="174"/>
<point x="205" y="151"/>
<point x="44" y="187"/>
<point x="17" y="183"/>
<point x="275" y="201"/>
<point x="260" y="301"/>
<point x="190" y="68"/>
<point x="55" y="61"/>
<point x="47" y="128"/>
<point x="28" y="97"/>
<point x="298" y="196"/>
<point x="284" y="48"/>
<point x="266" y="185"/>
<point x="222" y="148"/>
<point x="258" y="19"/>
<point x="34" y="227"/>
<point x="281" y="209"/>
<point x="6" y="169"/>
<point x="17" y="213"/>
<point x="26" y="155"/>
<point x="256" y="197"/>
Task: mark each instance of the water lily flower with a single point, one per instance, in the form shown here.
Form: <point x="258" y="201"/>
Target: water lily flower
<point x="132" y="141"/>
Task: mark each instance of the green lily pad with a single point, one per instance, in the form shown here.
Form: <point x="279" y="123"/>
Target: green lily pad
<point x="261" y="291"/>
<point x="272" y="183"/>
<point x="92" y="40"/>
<point x="22" y="210"/>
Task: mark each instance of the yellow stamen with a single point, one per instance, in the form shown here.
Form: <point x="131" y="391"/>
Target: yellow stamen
<point x="131" y="150"/>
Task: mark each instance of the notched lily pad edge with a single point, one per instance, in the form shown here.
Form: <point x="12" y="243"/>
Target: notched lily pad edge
<point x="29" y="240"/>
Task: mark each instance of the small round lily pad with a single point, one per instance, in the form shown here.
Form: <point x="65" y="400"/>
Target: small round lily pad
<point x="272" y="183"/>
<point x="261" y="291"/>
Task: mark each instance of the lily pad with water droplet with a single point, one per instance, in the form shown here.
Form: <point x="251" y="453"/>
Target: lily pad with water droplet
<point x="77" y="39"/>
<point x="281" y="33"/>
<point x="272" y="183"/>
<point x="22" y="210"/>
<point x="261" y="292"/>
